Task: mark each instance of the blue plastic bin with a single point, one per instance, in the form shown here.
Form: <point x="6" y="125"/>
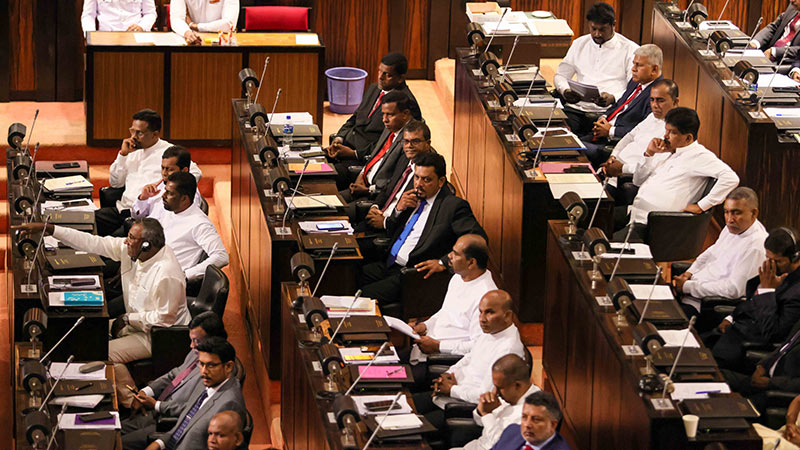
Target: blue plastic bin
<point x="345" y="88"/>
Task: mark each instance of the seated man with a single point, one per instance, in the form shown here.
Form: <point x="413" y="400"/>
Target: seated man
<point x="629" y="151"/>
<point x="470" y="377"/>
<point x="118" y="15"/>
<point x="167" y="395"/>
<point x="379" y="164"/>
<point x="174" y="159"/>
<point x="153" y="289"/>
<point x="137" y="164"/>
<point x="786" y="437"/>
<point x="188" y="230"/>
<point x="780" y="36"/>
<point x="502" y="406"/>
<point x="601" y="58"/>
<point x="219" y="391"/>
<point x="363" y="129"/>
<point x="456" y="325"/>
<point x="630" y="109"/>
<point x="425" y="225"/>
<point x="724" y="268"/>
<point x="769" y="315"/>
<point x="538" y="429"/>
<point x="416" y="141"/>
<point x="225" y="431"/>
<point x="674" y="173"/>
<point x="187" y="17"/>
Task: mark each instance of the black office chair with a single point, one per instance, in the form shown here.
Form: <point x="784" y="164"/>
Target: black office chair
<point x="213" y="295"/>
<point x="203" y="205"/>
<point x="109" y="196"/>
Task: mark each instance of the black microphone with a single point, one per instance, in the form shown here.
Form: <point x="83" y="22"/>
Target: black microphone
<point x="380" y="421"/>
<point x="16" y="134"/>
<point x="80" y="320"/>
<point x="35" y="116"/>
<point x="261" y="81"/>
<point x="249" y="80"/>
<point x="58" y="380"/>
<point x="302" y="265"/>
<point x="283" y="231"/>
<point x="258" y="119"/>
<point x="663" y="400"/>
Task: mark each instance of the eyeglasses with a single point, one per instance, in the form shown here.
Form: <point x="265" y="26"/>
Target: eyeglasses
<point x="210" y="365"/>
<point x="138" y="133"/>
<point x="413" y="141"/>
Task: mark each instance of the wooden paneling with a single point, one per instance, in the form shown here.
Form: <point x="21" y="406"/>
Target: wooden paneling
<point x="511" y="257"/>
<point x="607" y="383"/>
<point x="462" y="108"/>
<point x="771" y="9"/>
<point x="685" y="75"/>
<point x="493" y="194"/>
<point x="666" y="41"/>
<point x="709" y="109"/>
<point x="21" y="34"/>
<point x="201" y="87"/>
<point x="118" y="91"/>
<point x="477" y="131"/>
<point x="296" y="74"/>
<point x="569" y="10"/>
<point x="734" y="143"/>
<point x="415" y="41"/>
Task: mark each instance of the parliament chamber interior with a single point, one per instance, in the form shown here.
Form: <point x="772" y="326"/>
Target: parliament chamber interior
<point x="401" y="224"/>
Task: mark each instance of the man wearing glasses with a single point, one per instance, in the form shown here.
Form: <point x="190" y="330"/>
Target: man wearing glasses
<point x="138" y="164"/>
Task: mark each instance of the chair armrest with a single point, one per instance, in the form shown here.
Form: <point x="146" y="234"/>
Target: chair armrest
<point x="354" y="169"/>
<point x="443" y="359"/>
<point x="759" y="346"/>
<point x="462" y="430"/>
<point x="715" y="301"/>
<point x="780" y="398"/>
<point x="755" y="356"/>
<point x="459" y="410"/>
<point x="434" y="370"/>
<point x="165" y="424"/>
<point x="109" y="195"/>
<point x="677" y="268"/>
<point x="724" y="309"/>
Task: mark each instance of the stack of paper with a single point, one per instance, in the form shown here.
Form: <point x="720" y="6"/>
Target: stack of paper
<point x="399" y="325"/>
<point x="642" y="291"/>
<point x="73" y="372"/>
<point x="326" y="226"/>
<point x="505" y="27"/>
<point x="337" y="306"/>
<point x="80" y="401"/>
<point x="76" y="205"/>
<point x="67" y="184"/>
<point x="550" y="27"/>
<point x="676" y="338"/>
<point x="313" y="201"/>
<point x="298" y="118"/>
<point x="354" y="355"/>
<point x="362" y="400"/>
<point x="685" y="391"/>
<point x="400" y="422"/>
<point x="639" y="251"/>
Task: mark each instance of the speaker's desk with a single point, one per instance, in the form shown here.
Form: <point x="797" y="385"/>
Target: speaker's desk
<point x="191" y="86"/>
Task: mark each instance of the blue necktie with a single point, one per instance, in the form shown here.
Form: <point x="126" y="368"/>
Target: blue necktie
<point x="406" y="231"/>
<point x="176" y="436"/>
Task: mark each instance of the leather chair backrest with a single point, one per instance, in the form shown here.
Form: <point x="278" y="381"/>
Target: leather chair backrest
<point x="203" y="205"/>
<point x="276" y="18"/>
<point x="676" y="236"/>
<point x="213" y="293"/>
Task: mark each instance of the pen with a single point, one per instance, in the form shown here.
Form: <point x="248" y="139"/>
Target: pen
<point x="394" y="371"/>
<point x="708" y="392"/>
<point x="79" y="388"/>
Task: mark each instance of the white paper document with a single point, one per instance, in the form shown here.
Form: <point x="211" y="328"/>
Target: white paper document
<point x="80" y="401"/>
<point x="685" y="391"/>
<point x="337" y="306"/>
<point x="399" y="325"/>
<point x="73" y="372"/>
<point x="586" y="91"/>
<point x="584" y="190"/>
<point x="399" y="422"/>
<point x="306" y="39"/>
<point x="326" y="226"/>
<point x="550" y="27"/>
<point x="80" y="205"/>
<point x="639" y="251"/>
<point x="775" y="80"/>
<point x="67" y="422"/>
<point x="168" y="39"/>
<point x="362" y="400"/>
<point x="571" y="178"/>
<point x="67" y="183"/>
<point x="642" y="291"/>
<point x="313" y="201"/>
<point x="674" y="338"/>
<point x="298" y="118"/>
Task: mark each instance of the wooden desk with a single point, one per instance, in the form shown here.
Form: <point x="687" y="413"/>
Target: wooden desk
<point x="751" y="146"/>
<point x="511" y="207"/>
<point x="190" y="86"/>
<point x="261" y="254"/>
<point x="595" y="382"/>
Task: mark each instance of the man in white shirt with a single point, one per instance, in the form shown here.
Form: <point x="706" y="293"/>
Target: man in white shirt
<point x="471" y="376"/>
<point x="138" y="163"/>
<point x="456" y="326"/>
<point x="724" y="268"/>
<point x="174" y="159"/>
<point x="676" y="182"/>
<point x="601" y="58"/>
<point x="629" y="151"/>
<point x="118" y="15"/>
<point x="502" y="406"/>
<point x="188" y="230"/>
<point x="153" y="288"/>
<point x="188" y="17"/>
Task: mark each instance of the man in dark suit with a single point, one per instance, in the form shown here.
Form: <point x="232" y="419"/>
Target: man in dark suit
<point x="379" y="163"/>
<point x="363" y="129"/>
<point x="770" y="314"/>
<point x="631" y="108"/>
<point x="426" y="223"/>
<point x="780" y="36"/>
<point x="540" y="417"/>
<point x="218" y="391"/>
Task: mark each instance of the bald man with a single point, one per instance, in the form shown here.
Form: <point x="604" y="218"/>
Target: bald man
<point x="472" y="375"/>
<point x="225" y="431"/>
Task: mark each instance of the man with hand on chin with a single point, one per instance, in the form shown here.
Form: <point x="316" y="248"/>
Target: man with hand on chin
<point x="674" y="174"/>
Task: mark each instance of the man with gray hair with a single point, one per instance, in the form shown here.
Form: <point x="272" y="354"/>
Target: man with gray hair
<point x="724" y="268"/>
<point x="153" y="288"/>
<point x="631" y="108"/>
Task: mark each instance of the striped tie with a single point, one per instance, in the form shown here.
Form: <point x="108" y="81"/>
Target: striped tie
<point x="176" y="436"/>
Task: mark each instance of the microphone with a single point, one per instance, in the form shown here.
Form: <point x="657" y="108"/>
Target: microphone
<point x="772" y="80"/>
<point x="650" y="295"/>
<point x="685" y="13"/>
<point x="77" y="322"/>
<point x="258" y="119"/>
<point x="677" y="356"/>
<point x="274" y="104"/>
<point x="325" y="269"/>
<point x="346" y="315"/>
<point x="283" y="231"/>
<point x="35" y="115"/>
<point x="55" y="428"/>
<point x="361" y="374"/>
<point x="621" y="252"/>
<point x="302" y="266"/>
<point x="597" y="206"/>
<point x="36" y="253"/>
<point x="755" y="30"/>
<point x="58" y="380"/>
<point x="261" y="81"/>
<point x="383" y="417"/>
<point x="16" y="134"/>
<point x="510" y="54"/>
<point x="544" y="134"/>
<point x="247" y="77"/>
<point x="505" y="10"/>
<point x="268" y="153"/>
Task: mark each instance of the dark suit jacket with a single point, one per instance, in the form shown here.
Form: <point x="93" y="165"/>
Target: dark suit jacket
<point x="770" y="34"/>
<point x="636" y="111"/>
<point x="390" y="159"/>
<point x="787" y="372"/>
<point x="229" y="397"/>
<point x="511" y="439"/>
<point x="770" y="317"/>
<point x="450" y="218"/>
<point x="399" y="167"/>
<point x="362" y="131"/>
<point x="173" y="405"/>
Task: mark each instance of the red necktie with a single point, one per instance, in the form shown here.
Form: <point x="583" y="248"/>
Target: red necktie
<point x="378" y="157"/>
<point x="176" y="382"/>
<point x="397" y="187"/>
<point x="784" y="41"/>
<point x="527" y="447"/>
<point x="622" y="106"/>
<point x="377" y="103"/>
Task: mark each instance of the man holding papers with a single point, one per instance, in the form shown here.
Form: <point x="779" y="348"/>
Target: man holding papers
<point x="601" y="59"/>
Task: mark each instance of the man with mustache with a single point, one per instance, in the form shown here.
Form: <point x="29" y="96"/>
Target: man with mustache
<point x="540" y="417"/>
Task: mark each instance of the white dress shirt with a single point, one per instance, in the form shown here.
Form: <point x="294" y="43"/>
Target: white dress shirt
<point x="154" y="290"/>
<point x="606" y="66"/>
<point x="630" y="149"/>
<point x="724" y="268"/>
<point x="456" y="324"/>
<point x="416" y="232"/>
<point x="190" y="234"/>
<point x="474" y="371"/>
<point x="155" y="204"/>
<point x="374" y="169"/>
<point x="672" y="183"/>
<point x="117" y="15"/>
<point x="138" y="169"/>
<point x="496" y="421"/>
<point x="209" y="17"/>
